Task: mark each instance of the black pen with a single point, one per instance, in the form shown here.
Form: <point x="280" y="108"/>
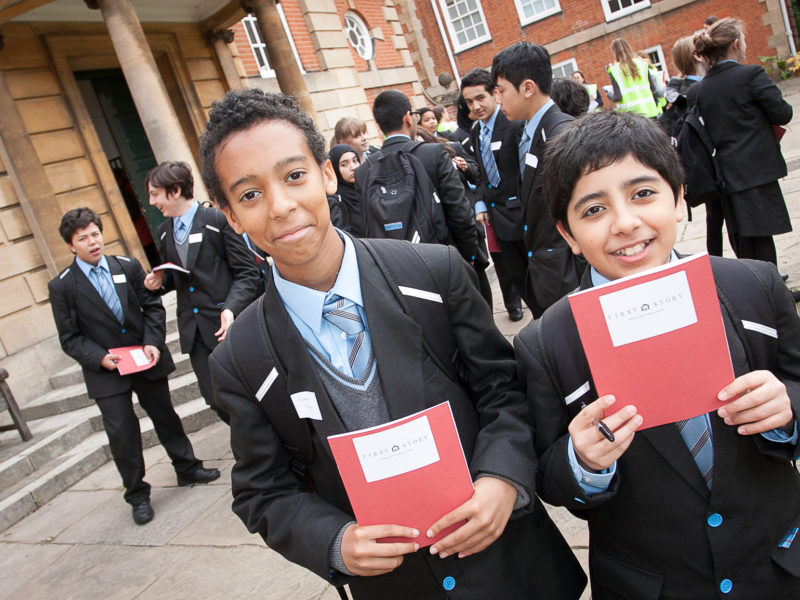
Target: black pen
<point x="601" y="426"/>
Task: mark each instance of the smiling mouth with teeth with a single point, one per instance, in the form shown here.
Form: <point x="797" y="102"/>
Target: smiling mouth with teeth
<point x="633" y="250"/>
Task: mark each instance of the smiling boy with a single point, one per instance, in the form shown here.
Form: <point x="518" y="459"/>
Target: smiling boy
<point x="285" y="484"/>
<point x="664" y="524"/>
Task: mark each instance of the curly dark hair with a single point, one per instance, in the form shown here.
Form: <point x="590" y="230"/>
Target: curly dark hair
<point x="75" y="219"/>
<point x="242" y="109"/>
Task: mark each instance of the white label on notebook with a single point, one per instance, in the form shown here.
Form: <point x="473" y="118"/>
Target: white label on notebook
<point x="649" y="309"/>
<point x="195" y="237"/>
<point x="306" y="405"/>
<point x="139" y="357"/>
<point x="397" y="450"/>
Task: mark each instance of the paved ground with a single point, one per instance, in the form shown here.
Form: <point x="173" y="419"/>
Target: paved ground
<point x="84" y="545"/>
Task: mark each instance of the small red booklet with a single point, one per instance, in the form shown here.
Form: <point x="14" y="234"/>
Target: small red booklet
<point x="656" y="340"/>
<point x="169" y="265"/>
<point x="133" y="359"/>
<point x="409" y="472"/>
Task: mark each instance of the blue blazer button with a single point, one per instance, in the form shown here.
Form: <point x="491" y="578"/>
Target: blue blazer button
<point x="714" y="520"/>
<point x="530" y="254"/>
<point x="195" y="311"/>
<point x="524" y="228"/>
<point x="725" y="586"/>
<point x="124" y="330"/>
<point x="191" y="288"/>
<point x="449" y="583"/>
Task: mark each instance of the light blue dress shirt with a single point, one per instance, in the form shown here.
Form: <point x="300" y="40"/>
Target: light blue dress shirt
<point x="87" y="270"/>
<point x="530" y="126"/>
<point x="186" y="218"/>
<point x="480" y="205"/>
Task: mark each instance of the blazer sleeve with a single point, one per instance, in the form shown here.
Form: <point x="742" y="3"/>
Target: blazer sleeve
<point x="267" y="496"/>
<point x="243" y="268"/>
<point x="555" y="482"/>
<point x="769" y="97"/>
<point x="457" y="209"/>
<point x="168" y="281"/>
<point x="504" y="442"/>
<point x="75" y="344"/>
<point x="155" y="317"/>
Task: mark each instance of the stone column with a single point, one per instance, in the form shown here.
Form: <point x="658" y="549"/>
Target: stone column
<point x="279" y="52"/>
<point x="219" y="40"/>
<point x="144" y="81"/>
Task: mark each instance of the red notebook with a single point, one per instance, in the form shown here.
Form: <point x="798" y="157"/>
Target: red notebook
<point x="656" y="340"/>
<point x="133" y="359"/>
<point x="409" y="472"/>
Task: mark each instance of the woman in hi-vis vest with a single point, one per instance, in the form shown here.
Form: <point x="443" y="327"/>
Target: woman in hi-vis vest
<point x="634" y="87"/>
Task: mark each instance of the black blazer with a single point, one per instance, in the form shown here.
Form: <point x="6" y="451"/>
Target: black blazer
<point x="504" y="202"/>
<point x="223" y="275"/>
<point x="301" y="523"/>
<point x="650" y="534"/>
<point x="458" y="214"/>
<point x="740" y="104"/>
<point x="87" y="328"/>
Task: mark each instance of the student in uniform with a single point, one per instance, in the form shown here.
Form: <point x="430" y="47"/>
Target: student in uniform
<point x="285" y="484"/>
<point x="669" y="517"/>
<point x="222" y="280"/>
<point x="100" y="302"/>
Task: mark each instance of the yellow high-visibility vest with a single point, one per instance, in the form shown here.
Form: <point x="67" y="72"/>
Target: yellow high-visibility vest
<point x="635" y="90"/>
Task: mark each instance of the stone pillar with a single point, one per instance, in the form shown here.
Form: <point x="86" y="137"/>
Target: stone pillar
<point x="144" y="81"/>
<point x="279" y="52"/>
<point x="219" y="40"/>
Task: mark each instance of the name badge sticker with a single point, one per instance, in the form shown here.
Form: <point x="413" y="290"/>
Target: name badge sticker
<point x="532" y="160"/>
<point x="195" y="237"/>
<point x="306" y="405"/>
<point x="119" y="278"/>
<point x="496" y="145"/>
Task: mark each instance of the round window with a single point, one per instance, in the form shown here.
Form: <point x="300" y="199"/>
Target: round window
<point x="358" y="34"/>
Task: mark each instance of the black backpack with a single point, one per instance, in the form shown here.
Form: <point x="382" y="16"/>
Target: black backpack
<point x="399" y="200"/>
<point x="698" y="158"/>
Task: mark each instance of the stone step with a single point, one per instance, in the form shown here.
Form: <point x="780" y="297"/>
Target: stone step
<point x="74" y="396"/>
<point x="63" y="471"/>
<point x="74" y="374"/>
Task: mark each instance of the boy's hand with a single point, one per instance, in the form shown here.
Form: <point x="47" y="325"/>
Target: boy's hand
<point x="153" y="281"/>
<point x="758" y="402"/>
<point x="153" y="354"/>
<point x="109" y="361"/>
<point x="592" y="449"/>
<point x="225" y="320"/>
<point x="363" y="555"/>
<point x="486" y="513"/>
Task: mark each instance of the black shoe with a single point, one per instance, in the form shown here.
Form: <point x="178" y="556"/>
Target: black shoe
<point x="200" y="475"/>
<point x="142" y="513"/>
<point x="515" y="314"/>
<point x="784" y="276"/>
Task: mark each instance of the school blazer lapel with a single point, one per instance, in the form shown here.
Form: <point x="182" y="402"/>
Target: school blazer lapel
<point x="667" y="441"/>
<point x="396" y="342"/>
<point x="121" y="283"/>
<point x="197" y="228"/>
<point x="89" y="292"/>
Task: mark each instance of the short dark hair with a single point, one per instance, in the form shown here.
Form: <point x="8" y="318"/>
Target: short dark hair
<point x="596" y="141"/>
<point x="570" y="96"/>
<point x="77" y="218"/>
<point x="710" y="20"/>
<point x="172" y="176"/>
<point x="476" y="77"/>
<point x="242" y="109"/>
<point x="522" y="61"/>
<point x="389" y="108"/>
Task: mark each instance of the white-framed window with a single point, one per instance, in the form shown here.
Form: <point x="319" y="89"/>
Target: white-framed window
<point x="565" y="68"/>
<point x="534" y="10"/>
<point x="615" y="9"/>
<point x="466" y="23"/>
<point x="259" y="48"/>
<point x="656" y="56"/>
<point x="358" y="35"/>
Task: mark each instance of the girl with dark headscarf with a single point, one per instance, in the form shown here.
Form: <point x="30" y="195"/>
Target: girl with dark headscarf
<point x="344" y="159"/>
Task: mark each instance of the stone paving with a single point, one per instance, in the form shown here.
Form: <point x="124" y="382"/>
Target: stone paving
<point x="84" y="545"/>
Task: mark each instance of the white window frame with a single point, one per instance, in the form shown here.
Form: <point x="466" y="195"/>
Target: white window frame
<point x="570" y="61"/>
<point x="457" y="46"/>
<point x="623" y="12"/>
<point x="260" y="48"/>
<point x="523" y="20"/>
<point x="358" y="20"/>
<point x="662" y="60"/>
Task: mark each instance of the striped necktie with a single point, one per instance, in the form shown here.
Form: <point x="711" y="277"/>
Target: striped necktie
<point x="524" y="146"/>
<point x="107" y="291"/>
<point x="696" y="435"/>
<point x="489" y="163"/>
<point x="343" y="314"/>
<point x="180" y="232"/>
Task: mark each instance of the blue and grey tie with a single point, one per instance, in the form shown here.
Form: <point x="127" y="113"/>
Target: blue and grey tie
<point x="697" y="436"/>
<point x="343" y="314"/>
<point x="107" y="291"/>
<point x="489" y="163"/>
<point x="524" y="146"/>
<point x="180" y="232"/>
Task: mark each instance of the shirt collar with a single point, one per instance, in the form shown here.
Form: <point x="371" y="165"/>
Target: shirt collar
<point x="530" y="126"/>
<point x="307" y="303"/>
<point x="186" y="217"/>
<point x="394" y="135"/>
<point x="87" y="268"/>
<point x="492" y="120"/>
<point x="598" y="279"/>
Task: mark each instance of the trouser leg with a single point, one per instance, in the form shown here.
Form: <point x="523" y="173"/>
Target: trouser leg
<point x="199" y="359"/>
<point x="509" y="291"/>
